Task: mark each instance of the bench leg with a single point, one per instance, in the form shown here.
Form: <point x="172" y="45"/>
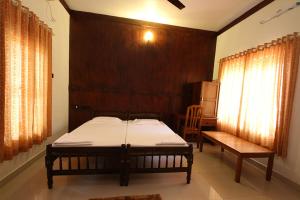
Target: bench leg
<point x="238" y="169"/>
<point x="222" y="149"/>
<point x="200" y="139"/>
<point x="269" y="167"/>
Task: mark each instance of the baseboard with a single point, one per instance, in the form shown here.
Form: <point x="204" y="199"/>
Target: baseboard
<point x="21" y="168"/>
<point x="31" y="160"/>
<point x="275" y="174"/>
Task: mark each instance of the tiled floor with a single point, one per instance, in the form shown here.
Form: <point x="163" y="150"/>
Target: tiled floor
<point x="212" y="178"/>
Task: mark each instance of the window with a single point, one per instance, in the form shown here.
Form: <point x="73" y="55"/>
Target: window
<point x="25" y="79"/>
<point x="256" y="93"/>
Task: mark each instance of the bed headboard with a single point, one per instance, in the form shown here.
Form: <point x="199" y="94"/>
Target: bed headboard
<point x="121" y="115"/>
<point x="132" y="116"/>
<point x="127" y="116"/>
<point x="87" y="113"/>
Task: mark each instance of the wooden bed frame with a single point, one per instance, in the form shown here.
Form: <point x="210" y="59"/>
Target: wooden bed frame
<point x="136" y="154"/>
<point x="122" y="160"/>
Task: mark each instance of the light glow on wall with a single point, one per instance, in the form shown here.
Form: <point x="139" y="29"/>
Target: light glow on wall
<point x="151" y="13"/>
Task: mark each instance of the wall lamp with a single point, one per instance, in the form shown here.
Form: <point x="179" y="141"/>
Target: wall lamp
<point x="148" y="36"/>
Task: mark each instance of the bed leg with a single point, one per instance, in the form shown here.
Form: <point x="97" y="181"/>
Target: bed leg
<point x="188" y="177"/>
<point x="126" y="181"/>
<point x="49" y="165"/>
<point x="121" y="174"/>
<point x="190" y="163"/>
<point x="121" y="179"/>
<point x="125" y="166"/>
<point x="124" y="174"/>
<point x="50" y="181"/>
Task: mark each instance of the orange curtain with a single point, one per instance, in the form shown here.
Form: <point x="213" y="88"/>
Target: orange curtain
<point x="25" y="79"/>
<point x="256" y="93"/>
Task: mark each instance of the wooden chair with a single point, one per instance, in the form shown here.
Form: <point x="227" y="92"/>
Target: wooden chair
<point x="192" y="124"/>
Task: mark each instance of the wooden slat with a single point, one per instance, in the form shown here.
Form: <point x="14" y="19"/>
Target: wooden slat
<point x="159" y="157"/>
<point x="60" y="163"/>
<point x="174" y="161"/>
<point x="87" y="163"/>
<point x="69" y="162"/>
<point x="181" y="161"/>
<point x="167" y="161"/>
<point x="152" y="161"/>
<point x="96" y="160"/>
<point x="78" y="162"/>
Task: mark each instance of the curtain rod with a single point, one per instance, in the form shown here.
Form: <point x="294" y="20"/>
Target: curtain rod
<point x="263" y="46"/>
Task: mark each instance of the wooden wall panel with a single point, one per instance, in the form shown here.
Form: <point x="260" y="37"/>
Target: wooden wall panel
<point x="113" y="69"/>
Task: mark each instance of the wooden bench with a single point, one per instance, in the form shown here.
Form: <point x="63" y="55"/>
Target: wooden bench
<point x="240" y="147"/>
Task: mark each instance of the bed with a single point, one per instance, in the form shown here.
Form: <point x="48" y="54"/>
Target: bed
<point x="103" y="145"/>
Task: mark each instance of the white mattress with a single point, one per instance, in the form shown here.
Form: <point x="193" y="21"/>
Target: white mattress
<point x="115" y="133"/>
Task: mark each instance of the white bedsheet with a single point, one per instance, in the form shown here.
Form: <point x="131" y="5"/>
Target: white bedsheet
<point x="152" y="134"/>
<point x="112" y="134"/>
<point x="94" y="133"/>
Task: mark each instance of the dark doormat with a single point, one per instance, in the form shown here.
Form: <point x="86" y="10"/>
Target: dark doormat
<point x="139" y="197"/>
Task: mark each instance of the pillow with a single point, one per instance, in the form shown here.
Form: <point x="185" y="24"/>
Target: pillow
<point x="106" y="119"/>
<point x="146" y="121"/>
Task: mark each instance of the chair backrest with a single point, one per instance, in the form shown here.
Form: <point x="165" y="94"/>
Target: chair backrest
<point x="193" y="117"/>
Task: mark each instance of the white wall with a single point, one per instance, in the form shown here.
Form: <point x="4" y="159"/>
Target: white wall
<point x="250" y="33"/>
<point x="60" y="64"/>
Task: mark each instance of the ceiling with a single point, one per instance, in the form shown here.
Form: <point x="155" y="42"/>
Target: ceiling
<point x="201" y="14"/>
